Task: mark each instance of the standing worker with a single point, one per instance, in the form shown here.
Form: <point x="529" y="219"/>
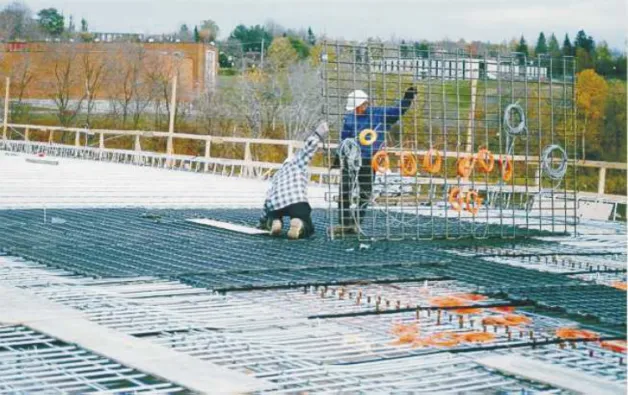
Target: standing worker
<point x="360" y="117"/>
<point x="287" y="196"/>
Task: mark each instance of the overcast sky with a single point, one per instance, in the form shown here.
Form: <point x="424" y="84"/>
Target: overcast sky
<point x="485" y="20"/>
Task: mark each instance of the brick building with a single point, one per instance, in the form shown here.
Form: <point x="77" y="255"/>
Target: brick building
<point x="39" y="70"/>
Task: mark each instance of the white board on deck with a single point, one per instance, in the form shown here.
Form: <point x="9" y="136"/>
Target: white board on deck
<point x="228" y="226"/>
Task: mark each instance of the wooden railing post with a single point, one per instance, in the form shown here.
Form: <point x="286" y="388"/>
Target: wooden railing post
<point x="26" y="136"/>
<point x="247" y="158"/>
<point x="208" y="147"/>
<point x="601" y="182"/>
<point x="77" y="139"/>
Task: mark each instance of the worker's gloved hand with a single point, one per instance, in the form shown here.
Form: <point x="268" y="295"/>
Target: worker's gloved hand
<point x="410" y="93"/>
<point x="322" y="130"/>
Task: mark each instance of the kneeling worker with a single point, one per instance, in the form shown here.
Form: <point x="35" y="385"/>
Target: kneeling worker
<point x="287" y="196"/>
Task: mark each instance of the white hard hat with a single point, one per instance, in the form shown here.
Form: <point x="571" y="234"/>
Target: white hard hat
<point x="356" y="99"/>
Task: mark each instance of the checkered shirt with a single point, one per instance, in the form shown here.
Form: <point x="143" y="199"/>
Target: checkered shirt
<point x="289" y="184"/>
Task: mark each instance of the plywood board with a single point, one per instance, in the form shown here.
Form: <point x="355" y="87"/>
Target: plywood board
<point x="228" y="226"/>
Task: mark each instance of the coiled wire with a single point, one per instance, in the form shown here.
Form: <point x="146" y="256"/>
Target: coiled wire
<point x="554" y="173"/>
<point x="521" y="127"/>
<point x="351" y="156"/>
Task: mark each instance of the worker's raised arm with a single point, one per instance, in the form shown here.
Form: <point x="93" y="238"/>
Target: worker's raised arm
<point x="305" y="154"/>
<point x="393" y="113"/>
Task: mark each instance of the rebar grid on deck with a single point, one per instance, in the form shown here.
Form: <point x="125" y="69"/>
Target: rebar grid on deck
<point x="31" y="362"/>
<point x="261" y="336"/>
<point x="132" y="242"/>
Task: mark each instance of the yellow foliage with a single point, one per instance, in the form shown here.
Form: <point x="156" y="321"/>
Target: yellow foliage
<point x="591" y="94"/>
<point x="281" y="53"/>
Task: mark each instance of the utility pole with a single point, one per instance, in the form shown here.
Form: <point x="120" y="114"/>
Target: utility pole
<point x="5" y="121"/>
<point x="262" y="62"/>
<point x="242" y="52"/>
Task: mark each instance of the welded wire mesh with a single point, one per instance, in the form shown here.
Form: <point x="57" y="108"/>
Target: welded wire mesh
<point x="136" y="242"/>
<point x="34" y="363"/>
<point x="486" y="141"/>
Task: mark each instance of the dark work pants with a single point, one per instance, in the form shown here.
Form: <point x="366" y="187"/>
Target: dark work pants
<point x="301" y="210"/>
<point x="365" y="180"/>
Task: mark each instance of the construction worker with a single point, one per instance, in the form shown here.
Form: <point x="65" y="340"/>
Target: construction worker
<point x="287" y="196"/>
<point x="359" y="117"/>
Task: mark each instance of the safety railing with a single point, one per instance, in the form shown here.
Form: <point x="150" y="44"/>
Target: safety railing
<point x="246" y="166"/>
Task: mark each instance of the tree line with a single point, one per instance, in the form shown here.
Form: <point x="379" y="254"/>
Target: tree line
<point x="588" y="54"/>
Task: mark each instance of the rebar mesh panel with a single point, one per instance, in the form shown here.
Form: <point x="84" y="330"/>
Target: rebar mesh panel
<point x="482" y="148"/>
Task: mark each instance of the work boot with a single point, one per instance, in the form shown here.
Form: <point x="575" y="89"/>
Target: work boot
<point x="296" y="229"/>
<point x="275" y="227"/>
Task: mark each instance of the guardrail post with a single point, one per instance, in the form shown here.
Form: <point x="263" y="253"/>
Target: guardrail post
<point x="137" y="147"/>
<point x="26" y="136"/>
<point x="208" y="146"/>
<point x="247" y="158"/>
<point x="77" y="139"/>
<point x="50" y="136"/>
<point x="290" y="150"/>
<point x="601" y="181"/>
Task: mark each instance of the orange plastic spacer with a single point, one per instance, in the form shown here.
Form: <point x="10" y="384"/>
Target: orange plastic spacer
<point x="447" y="301"/>
<point x="473" y="196"/>
<point x="477" y="337"/>
<point x="380" y="162"/>
<point x="572" y="333"/>
<point x="428" y="166"/>
<point x="455" y="198"/>
<point x="443" y="339"/>
<point x="507" y="169"/>
<point x="472" y="297"/>
<point x="408" y="164"/>
<point x="614" y="345"/>
<point x="464" y="167"/>
<point x="484" y="167"/>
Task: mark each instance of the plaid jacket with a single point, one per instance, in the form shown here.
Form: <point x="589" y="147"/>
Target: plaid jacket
<point x="289" y="184"/>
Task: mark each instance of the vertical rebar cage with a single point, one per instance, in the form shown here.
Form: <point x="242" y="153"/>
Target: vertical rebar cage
<point x="485" y="149"/>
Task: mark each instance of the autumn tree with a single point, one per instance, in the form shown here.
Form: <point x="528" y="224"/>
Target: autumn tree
<point x="282" y="54"/>
<point x="94" y="67"/>
<point x="16" y="22"/>
<point x="614" y="139"/>
<point x="22" y="76"/>
<point x="66" y="83"/>
<point x="591" y="95"/>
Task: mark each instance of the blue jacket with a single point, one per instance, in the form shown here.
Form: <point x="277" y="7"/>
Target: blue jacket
<point x="380" y="119"/>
